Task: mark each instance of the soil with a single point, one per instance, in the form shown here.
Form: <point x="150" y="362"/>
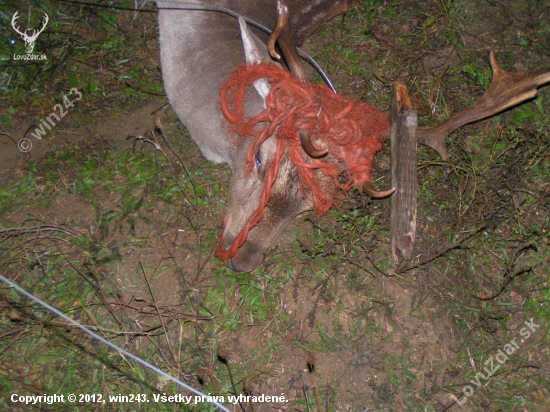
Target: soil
<point x="359" y="329"/>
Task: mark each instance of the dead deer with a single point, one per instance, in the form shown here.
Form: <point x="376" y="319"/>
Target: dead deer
<point x="198" y="51"/>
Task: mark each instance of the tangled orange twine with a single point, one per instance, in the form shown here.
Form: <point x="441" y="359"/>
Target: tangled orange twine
<point x="352" y="131"/>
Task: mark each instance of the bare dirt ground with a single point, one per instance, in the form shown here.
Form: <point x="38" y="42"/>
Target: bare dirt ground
<point x="100" y="224"/>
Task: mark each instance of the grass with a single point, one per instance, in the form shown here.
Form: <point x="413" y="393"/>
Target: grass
<point x="120" y="236"/>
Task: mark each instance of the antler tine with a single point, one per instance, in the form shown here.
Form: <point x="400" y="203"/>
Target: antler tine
<point x="308" y="147"/>
<point x="372" y="192"/>
<point x="506" y="90"/>
<point x="282" y="21"/>
<point x="46" y="19"/>
<point x="286" y="41"/>
<point x="13" y="20"/>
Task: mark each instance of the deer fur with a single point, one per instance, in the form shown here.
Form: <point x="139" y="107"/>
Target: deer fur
<point x="199" y="49"/>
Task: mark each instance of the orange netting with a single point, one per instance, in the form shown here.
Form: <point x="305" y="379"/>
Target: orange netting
<point x="352" y="131"/>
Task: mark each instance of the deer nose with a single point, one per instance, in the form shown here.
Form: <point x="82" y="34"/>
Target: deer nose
<point x="248" y="257"/>
<point x="231" y="265"/>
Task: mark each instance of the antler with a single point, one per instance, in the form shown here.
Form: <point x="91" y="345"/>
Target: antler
<point x="286" y="41"/>
<point x="283" y="36"/>
<point x="282" y="21"/>
<point x="46" y="20"/>
<point x="506" y="90"/>
<point x="308" y="147"/>
<point x="372" y="192"/>
<point x="13" y="20"/>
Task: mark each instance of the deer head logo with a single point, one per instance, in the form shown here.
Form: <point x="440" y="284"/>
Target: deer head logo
<point x="29" y="40"/>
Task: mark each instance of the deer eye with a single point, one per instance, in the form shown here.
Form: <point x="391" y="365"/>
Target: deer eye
<point x="258" y="160"/>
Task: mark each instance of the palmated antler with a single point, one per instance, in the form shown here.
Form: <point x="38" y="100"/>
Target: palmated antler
<point x="506" y="90"/>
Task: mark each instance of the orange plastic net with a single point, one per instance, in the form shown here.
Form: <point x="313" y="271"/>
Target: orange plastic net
<point x="352" y="131"/>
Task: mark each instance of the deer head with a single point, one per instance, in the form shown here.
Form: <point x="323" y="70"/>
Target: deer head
<point x="256" y="52"/>
<point x="29" y="40"/>
<point x="199" y="49"/>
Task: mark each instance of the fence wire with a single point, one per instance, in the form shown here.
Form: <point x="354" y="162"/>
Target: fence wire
<point x="110" y="344"/>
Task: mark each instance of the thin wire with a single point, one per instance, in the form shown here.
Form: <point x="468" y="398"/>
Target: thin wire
<point x="137" y="359"/>
<point x="186" y="5"/>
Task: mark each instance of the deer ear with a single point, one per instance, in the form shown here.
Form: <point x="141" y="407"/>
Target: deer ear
<point x="255" y="52"/>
